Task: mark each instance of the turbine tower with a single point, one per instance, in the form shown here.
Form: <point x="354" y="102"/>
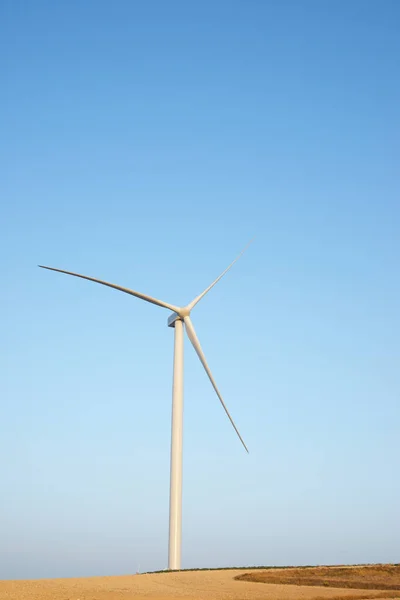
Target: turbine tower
<point x="179" y="320"/>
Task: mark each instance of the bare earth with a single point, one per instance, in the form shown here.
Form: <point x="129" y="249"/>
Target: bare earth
<point x="199" y="585"/>
<point x="364" y="577"/>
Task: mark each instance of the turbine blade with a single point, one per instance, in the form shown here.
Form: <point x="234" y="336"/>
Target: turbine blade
<point x="198" y="298"/>
<point x="196" y="345"/>
<point x="117" y="287"/>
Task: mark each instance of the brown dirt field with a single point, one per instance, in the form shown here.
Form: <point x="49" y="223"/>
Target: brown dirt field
<point x="368" y="577"/>
<point x="189" y="585"/>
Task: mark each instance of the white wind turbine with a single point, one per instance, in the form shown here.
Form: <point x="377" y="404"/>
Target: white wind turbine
<point x="180" y="317"/>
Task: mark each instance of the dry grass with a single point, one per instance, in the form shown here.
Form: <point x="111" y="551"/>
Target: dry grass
<point x="369" y="577"/>
<point x="186" y="585"/>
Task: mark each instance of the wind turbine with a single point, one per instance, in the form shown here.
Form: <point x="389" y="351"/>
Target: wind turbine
<point x="179" y="319"/>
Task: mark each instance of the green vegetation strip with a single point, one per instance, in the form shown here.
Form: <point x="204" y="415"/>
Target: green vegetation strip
<point x="260" y="568"/>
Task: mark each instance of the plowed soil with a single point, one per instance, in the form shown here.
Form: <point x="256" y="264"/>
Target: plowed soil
<point x="370" y="577"/>
<point x="188" y="585"/>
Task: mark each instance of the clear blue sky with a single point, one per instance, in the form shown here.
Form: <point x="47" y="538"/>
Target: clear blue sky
<point x="146" y="143"/>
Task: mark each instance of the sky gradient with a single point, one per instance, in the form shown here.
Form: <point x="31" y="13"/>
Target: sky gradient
<point x="146" y="143"/>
